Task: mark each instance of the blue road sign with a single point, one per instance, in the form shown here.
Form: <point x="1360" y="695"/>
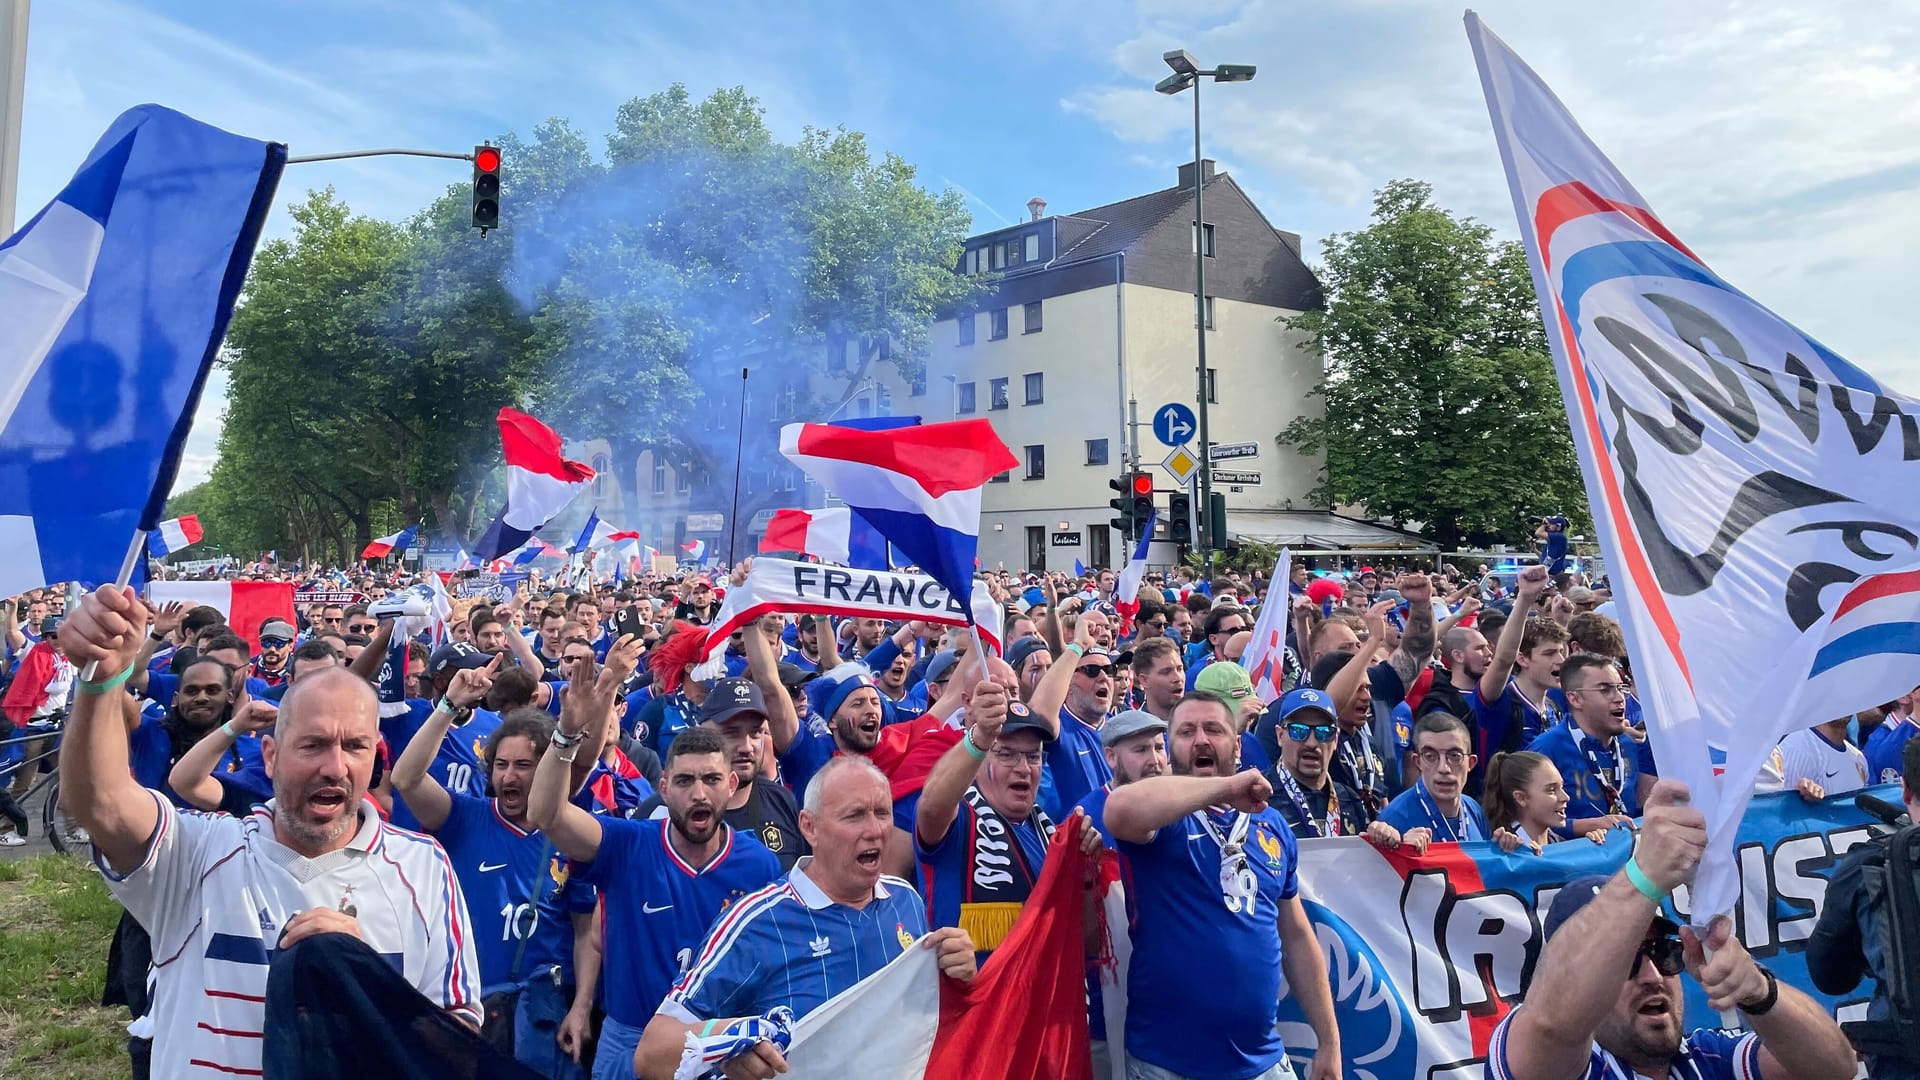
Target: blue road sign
<point x="1174" y="424"/>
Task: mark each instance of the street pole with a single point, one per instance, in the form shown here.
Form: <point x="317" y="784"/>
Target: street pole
<point x="1202" y="511"/>
<point x="13" y="92"/>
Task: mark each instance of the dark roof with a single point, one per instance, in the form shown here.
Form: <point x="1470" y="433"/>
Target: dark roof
<point x="1121" y="224"/>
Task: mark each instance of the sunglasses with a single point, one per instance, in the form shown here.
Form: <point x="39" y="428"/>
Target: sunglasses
<point x="1320" y="732"/>
<point x="1667" y="954"/>
<point x="274" y="643"/>
<point x="1094" y="671"/>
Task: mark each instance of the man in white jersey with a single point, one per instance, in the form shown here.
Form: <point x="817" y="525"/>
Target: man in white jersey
<point x="1816" y="761"/>
<point x="220" y="896"/>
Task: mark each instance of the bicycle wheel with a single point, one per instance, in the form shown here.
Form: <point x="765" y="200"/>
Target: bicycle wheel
<point x="65" y="834"/>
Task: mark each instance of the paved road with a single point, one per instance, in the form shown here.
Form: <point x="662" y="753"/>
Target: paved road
<point x="37" y="837"/>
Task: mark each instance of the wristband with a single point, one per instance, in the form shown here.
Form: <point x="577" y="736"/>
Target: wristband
<point x="1645" y="884"/>
<point x="561" y="740"/>
<point x="972" y="748"/>
<point x="1768" y="1000"/>
<point x="103" y="685"/>
<point x="1076" y="648"/>
<point x="226" y="728"/>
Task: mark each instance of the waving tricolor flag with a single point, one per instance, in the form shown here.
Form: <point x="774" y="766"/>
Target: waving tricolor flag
<point x="1741" y="474"/>
<point x="597" y="534"/>
<point x="173" y="535"/>
<point x="114" y="299"/>
<point x="1126" y="589"/>
<point x="391" y="545"/>
<point x="540" y="483"/>
<point x="696" y="550"/>
<point x="920" y="486"/>
<point x="1265" y="657"/>
<point x="832" y="534"/>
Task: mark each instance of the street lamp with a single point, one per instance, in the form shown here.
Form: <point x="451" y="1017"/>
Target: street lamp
<point x="1187" y="72"/>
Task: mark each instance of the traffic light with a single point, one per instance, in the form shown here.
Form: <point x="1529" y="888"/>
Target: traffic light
<point x="1142" y="487"/>
<point x="486" y="188"/>
<point x="1216" y="521"/>
<point x="1122" y="522"/>
<point x="1180" y="518"/>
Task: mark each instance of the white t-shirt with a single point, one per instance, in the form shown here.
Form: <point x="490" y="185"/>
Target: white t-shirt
<point x="214" y="893"/>
<point x="1807" y="755"/>
<point x="59" y="687"/>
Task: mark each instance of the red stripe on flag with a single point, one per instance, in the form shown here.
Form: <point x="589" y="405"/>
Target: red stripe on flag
<point x="254" y="602"/>
<point x="531" y="445"/>
<point x="1876" y="587"/>
<point x="190" y="528"/>
<point x="1463" y="876"/>
<point x="953" y="456"/>
<point x="787" y="531"/>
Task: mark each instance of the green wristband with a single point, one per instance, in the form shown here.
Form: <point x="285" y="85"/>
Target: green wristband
<point x="1646" y="886"/>
<point x="103" y="685"/>
<point x="973" y="748"/>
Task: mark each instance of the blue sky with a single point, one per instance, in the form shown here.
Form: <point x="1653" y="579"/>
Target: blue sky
<point x="1780" y="140"/>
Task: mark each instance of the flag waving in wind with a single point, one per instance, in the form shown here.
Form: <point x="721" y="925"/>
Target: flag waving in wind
<point x="696" y="550"/>
<point x="1265" y="656"/>
<point x="597" y="534"/>
<point x="173" y="535"/>
<point x="391" y="545"/>
<point x="920" y="486"/>
<point x="1126" y="590"/>
<point x="832" y="534"/>
<point x="1752" y="490"/>
<point x="540" y="483"/>
<point x="114" y="299"/>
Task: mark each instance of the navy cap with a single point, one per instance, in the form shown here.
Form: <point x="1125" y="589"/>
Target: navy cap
<point x="1020" y="718"/>
<point x="729" y="698"/>
<point x="1022" y="650"/>
<point x="941" y="665"/>
<point x="456" y="656"/>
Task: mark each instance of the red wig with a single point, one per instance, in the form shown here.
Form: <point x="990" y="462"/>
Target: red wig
<point x="684" y="646"/>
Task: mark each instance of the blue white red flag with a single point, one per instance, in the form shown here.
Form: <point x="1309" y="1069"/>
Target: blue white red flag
<point x="1751" y="489"/>
<point x="597" y="534"/>
<point x="533" y="549"/>
<point x="1266" y="652"/>
<point x="174" y="534"/>
<point x="114" y="299"/>
<point x="920" y="486"/>
<point x="833" y="534"/>
<point x="391" y="545"/>
<point x="1126" y="590"/>
<point x="540" y="483"/>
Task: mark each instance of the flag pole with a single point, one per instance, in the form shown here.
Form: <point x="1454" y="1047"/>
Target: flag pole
<point x="135" y="549"/>
<point x="739" y="440"/>
<point x="980" y="650"/>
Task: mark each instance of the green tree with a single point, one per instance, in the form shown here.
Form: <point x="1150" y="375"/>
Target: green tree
<point x="1441" y="406"/>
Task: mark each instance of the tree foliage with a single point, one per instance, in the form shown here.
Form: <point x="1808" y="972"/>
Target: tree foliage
<point x="1441" y="406"/>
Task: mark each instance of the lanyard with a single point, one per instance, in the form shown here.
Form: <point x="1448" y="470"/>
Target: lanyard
<point x="1459" y="830"/>
<point x="1366" y="766"/>
<point x="1612" y="780"/>
<point x="1238" y="889"/>
<point x="1330" y="827"/>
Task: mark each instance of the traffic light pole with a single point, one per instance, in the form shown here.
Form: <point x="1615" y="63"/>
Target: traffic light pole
<point x="302" y="159"/>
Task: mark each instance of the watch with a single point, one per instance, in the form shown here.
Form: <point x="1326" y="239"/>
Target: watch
<point x="1768" y="1000"/>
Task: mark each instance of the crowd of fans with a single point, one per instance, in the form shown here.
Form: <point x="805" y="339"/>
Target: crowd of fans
<point x="633" y="856"/>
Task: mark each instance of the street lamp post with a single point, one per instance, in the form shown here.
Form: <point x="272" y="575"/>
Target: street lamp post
<point x="1187" y="72"/>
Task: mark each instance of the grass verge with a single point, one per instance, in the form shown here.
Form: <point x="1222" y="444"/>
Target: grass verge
<point x="56" y="918"/>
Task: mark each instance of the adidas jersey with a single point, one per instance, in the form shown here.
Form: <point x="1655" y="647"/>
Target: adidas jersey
<point x="214" y="892"/>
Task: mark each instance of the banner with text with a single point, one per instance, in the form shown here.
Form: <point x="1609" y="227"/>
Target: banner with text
<point x="1421" y="980"/>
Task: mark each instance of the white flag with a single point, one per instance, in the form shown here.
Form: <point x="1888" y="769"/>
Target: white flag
<point x="1752" y="490"/>
<point x="1266" y="653"/>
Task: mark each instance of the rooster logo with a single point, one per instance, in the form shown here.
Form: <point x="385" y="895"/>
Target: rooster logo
<point x="1270" y="844"/>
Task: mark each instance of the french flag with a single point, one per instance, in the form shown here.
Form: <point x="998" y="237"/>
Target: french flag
<point x="540" y="483"/>
<point x="696" y="550"/>
<point x="534" y="548"/>
<point x="598" y="534"/>
<point x="247" y="605"/>
<point x="174" y="534"/>
<point x="1126" y="591"/>
<point x="391" y="545"/>
<point x="920" y="486"/>
<point x="834" y="534"/>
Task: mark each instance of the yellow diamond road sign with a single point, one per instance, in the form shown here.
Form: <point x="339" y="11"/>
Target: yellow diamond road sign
<point x="1182" y="464"/>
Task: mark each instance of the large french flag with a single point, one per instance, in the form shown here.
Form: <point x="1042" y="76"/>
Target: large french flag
<point x="1126" y="590"/>
<point x="540" y="483"/>
<point x="596" y="534"/>
<point x="246" y="604"/>
<point x="391" y="545"/>
<point x="920" y="486"/>
<point x="833" y="534"/>
<point x="174" y="534"/>
<point x="114" y="300"/>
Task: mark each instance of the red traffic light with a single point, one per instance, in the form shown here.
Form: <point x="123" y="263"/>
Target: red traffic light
<point x="1143" y="484"/>
<point x="486" y="159"/>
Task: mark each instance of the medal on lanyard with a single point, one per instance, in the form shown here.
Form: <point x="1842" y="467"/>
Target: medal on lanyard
<point x="1612" y="781"/>
<point x="1299" y="797"/>
<point x="1238" y="887"/>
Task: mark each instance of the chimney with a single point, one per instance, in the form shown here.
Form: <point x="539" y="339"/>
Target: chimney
<point x="1186" y="173"/>
<point x="1037" y="207"/>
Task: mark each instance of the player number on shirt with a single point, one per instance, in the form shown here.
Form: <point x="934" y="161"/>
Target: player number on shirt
<point x="459" y="778"/>
<point x="518" y="921"/>
<point x="1239" y="889"/>
<point x="685" y="959"/>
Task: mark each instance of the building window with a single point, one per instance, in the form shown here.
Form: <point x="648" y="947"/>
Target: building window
<point x="999" y="323"/>
<point x="999" y="256"/>
<point x="1213" y="389"/>
<point x="683" y="480"/>
<point x="1033" y="247"/>
<point x="1206" y="237"/>
<point x="1036" y="387"/>
<point x="964" y="399"/>
<point x="862" y="407"/>
<point x="1002" y="478"/>
<point x="602" y="476"/>
<point x="966" y="328"/>
<point x="1013" y="253"/>
<point x="1032" y="314"/>
<point x="1208" y="306"/>
<point x="1036" y="462"/>
<point x="837" y="355"/>
<point x="1096" y="451"/>
<point x="659" y="477"/>
<point x="997" y="394"/>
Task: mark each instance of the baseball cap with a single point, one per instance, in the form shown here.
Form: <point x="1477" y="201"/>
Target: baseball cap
<point x="1580" y="594"/>
<point x="1303" y="699"/>
<point x="50" y="625"/>
<point x="1020" y="718"/>
<point x="277" y="628"/>
<point x="1226" y="678"/>
<point x="1123" y="725"/>
<point x="730" y="698"/>
<point x="941" y="665"/>
<point x="1576" y="894"/>
<point x="455" y="656"/>
<point x="1020" y="651"/>
<point x="792" y="675"/>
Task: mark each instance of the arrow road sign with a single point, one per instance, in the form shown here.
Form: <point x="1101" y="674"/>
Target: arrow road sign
<point x="1174" y="423"/>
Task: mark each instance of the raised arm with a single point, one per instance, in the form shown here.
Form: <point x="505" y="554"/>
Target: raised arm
<point x="166" y="619"/>
<point x="574" y="832"/>
<point x="1493" y="682"/>
<point x="1051" y="693"/>
<point x="10" y="624"/>
<point x="948" y="782"/>
<point x="521" y="647"/>
<point x="1416" y="640"/>
<point x="1136" y="811"/>
<point x="763" y="667"/>
<point x="192" y="776"/>
<point x="97" y="788"/>
<point x="427" y="797"/>
<point x="367" y="664"/>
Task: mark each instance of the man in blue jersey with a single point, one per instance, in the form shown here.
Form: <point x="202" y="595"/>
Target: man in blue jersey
<point x="1580" y="1021"/>
<point x="1080" y="686"/>
<point x="1600" y="764"/>
<point x="661" y="882"/>
<point x="1889" y="741"/>
<point x="830" y="922"/>
<point x="1477" y="674"/>
<point x="1215" y="904"/>
<point x="1442" y="753"/>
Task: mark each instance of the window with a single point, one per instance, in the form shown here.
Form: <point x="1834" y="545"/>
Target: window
<point x="1213" y="389"/>
<point x="1209" y="310"/>
<point x="602" y="476"/>
<point x="1036" y="549"/>
<point x="659" y="477"/>
<point x="1013" y="253"/>
<point x="999" y="256"/>
<point x="1036" y="387"/>
<point x="1032" y="314"/>
<point x="1036" y="462"/>
<point x="966" y="328"/>
<point x="1096" y="451"/>
<point x="999" y="323"/>
<point x="862" y="407"/>
<point x="997" y="394"/>
<point x="683" y="480"/>
<point x="1002" y="478"/>
<point x="837" y="355"/>
<point x="1206" y="237"/>
<point x="976" y="260"/>
<point x="1033" y="247"/>
<point x="964" y="398"/>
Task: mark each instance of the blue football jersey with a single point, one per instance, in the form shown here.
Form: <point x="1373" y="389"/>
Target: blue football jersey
<point x="457" y="765"/>
<point x="502" y="869"/>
